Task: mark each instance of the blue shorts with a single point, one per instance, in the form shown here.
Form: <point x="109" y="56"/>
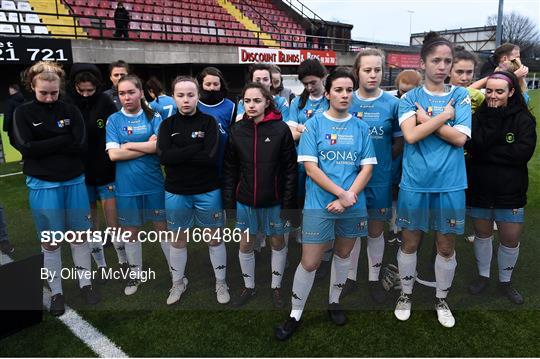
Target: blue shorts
<point x="379" y="203"/>
<point x="516" y="215"/>
<point x="204" y="210"/>
<point x="266" y="220"/>
<point x="318" y="230"/>
<point x="96" y="193"/>
<point x="64" y="208"/>
<point x="134" y="211"/>
<point x="443" y="212"/>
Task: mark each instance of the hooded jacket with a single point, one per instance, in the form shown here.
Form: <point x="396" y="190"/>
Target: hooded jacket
<point x="260" y="168"/>
<point x="95" y="109"/>
<point x="503" y="141"/>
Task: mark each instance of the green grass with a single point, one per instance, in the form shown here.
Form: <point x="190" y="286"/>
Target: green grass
<point x="143" y="325"/>
<point x="10" y="153"/>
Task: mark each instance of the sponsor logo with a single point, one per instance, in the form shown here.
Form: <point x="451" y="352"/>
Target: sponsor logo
<point x="359" y="115"/>
<point x="128" y="129"/>
<point x="510" y="137"/>
<point x="36" y="124"/>
<point x="430" y="111"/>
<point x="100" y="123"/>
<point x="309" y="113"/>
<point x="197" y="134"/>
<point x="332" y="137"/>
<point x="63" y="123"/>
<point x="267" y="140"/>
<point x="515" y="211"/>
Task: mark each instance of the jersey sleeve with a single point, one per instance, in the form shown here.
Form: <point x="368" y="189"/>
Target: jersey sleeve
<point x="307" y="149"/>
<point x="112" y="134"/>
<point x="283" y="107"/>
<point x="367" y="151"/>
<point x="463" y="112"/>
<point x="156" y="122"/>
<point x="240" y="110"/>
<point x="407" y="108"/>
<point x="394" y="108"/>
<point x="292" y="120"/>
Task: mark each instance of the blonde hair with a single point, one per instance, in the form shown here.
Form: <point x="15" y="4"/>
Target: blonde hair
<point x="45" y="71"/>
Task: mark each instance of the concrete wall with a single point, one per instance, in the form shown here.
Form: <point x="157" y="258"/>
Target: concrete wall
<point x="135" y="52"/>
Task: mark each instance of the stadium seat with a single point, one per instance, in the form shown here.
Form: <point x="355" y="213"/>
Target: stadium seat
<point x="32" y="19"/>
<point x="24" y="6"/>
<point x="8" y="5"/>
<point x="42" y="30"/>
<point x="7" y="29"/>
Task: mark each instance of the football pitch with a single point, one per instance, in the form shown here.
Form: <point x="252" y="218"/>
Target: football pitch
<point x="143" y="325"/>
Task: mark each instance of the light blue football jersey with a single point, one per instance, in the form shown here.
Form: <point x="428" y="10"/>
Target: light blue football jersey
<point x="142" y="175"/>
<point x="381" y="115"/>
<point x="164" y="105"/>
<point x="300" y="116"/>
<point x="340" y="147"/>
<point x="281" y="105"/>
<point x="432" y="164"/>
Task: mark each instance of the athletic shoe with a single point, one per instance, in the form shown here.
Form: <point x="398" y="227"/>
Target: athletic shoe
<point x="176" y="291"/>
<point x="245" y="296"/>
<point x="390" y="277"/>
<point x="276" y="298"/>
<point x="403" y="307"/>
<point x="6" y="247"/>
<point x="131" y="286"/>
<point x="57" y="307"/>
<point x="287" y="329"/>
<point x="479" y="285"/>
<point x="350" y="287"/>
<point x="336" y="314"/>
<point x="101" y="278"/>
<point x="222" y="293"/>
<point x="376" y="292"/>
<point x="444" y="314"/>
<point x="511" y="293"/>
<point x="323" y="270"/>
<point x="90" y="295"/>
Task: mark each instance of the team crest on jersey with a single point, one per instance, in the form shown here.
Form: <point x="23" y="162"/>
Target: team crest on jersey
<point x="309" y="113"/>
<point x="63" y="123"/>
<point x="128" y="129"/>
<point x="430" y="111"/>
<point x="100" y="123"/>
<point x="359" y="115"/>
<point x="197" y="134"/>
<point x="331" y="137"/>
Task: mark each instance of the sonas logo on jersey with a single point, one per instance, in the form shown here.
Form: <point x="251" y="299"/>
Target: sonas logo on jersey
<point x="376" y="131"/>
<point x="339" y="156"/>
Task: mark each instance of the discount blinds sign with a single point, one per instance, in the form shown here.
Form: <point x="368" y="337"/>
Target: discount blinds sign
<point x="250" y="55"/>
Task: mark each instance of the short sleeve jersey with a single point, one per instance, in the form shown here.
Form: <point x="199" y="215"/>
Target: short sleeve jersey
<point x="381" y="115"/>
<point x="339" y="147"/>
<point x="164" y="105"/>
<point x="299" y="116"/>
<point x="432" y="164"/>
<point x="142" y="175"/>
<point x="281" y="105"/>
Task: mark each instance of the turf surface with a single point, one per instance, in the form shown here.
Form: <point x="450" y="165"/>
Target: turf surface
<point x="142" y="325"/>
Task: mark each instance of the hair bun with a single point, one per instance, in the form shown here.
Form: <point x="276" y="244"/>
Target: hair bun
<point x="431" y="36"/>
<point x="459" y="48"/>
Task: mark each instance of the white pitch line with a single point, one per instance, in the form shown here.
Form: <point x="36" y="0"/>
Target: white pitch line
<point x="93" y="338"/>
<point x="11" y="174"/>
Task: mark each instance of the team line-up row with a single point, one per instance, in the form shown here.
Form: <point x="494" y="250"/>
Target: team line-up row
<point x="335" y="151"/>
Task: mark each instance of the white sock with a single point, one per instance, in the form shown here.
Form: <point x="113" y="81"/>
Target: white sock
<point x="166" y="248"/>
<point x="375" y="252"/>
<point x="327" y="255"/>
<point x="97" y="253"/>
<point x="134" y="257"/>
<point x="260" y="242"/>
<point x="279" y="258"/>
<point x="407" y="270"/>
<point x="338" y="276"/>
<point x="507" y="258"/>
<point x="120" y="248"/>
<point x="218" y="258"/>
<point x="483" y="251"/>
<point x="247" y="265"/>
<point x="82" y="261"/>
<point x="178" y="260"/>
<point x="445" y="268"/>
<point x="355" y="255"/>
<point x="302" y="283"/>
<point x="52" y="261"/>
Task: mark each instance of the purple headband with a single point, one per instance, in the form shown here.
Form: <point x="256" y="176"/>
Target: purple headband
<point x="502" y="77"/>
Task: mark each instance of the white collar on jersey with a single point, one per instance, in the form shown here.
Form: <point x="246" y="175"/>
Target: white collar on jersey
<point x="349" y="116"/>
<point x="315" y="99"/>
<point x="448" y="89"/>
<point x="368" y="99"/>
<point x="131" y="114"/>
